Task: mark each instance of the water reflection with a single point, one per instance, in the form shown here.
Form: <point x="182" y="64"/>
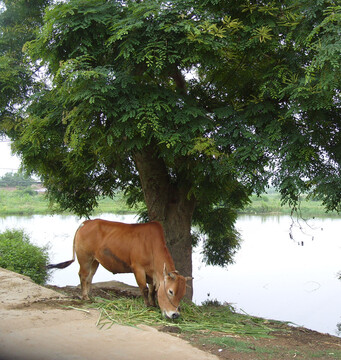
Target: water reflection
<point x="272" y="276"/>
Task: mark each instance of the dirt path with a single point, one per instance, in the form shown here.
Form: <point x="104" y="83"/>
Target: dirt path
<point x="32" y="329"/>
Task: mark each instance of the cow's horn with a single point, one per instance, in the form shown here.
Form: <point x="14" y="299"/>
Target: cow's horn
<point x="164" y="270"/>
<point x="171" y="275"/>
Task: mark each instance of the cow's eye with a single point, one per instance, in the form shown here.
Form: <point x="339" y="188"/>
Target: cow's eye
<point x="170" y="292"/>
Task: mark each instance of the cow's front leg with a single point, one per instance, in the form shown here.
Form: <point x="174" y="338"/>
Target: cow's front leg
<point x="151" y="295"/>
<point x="140" y="277"/>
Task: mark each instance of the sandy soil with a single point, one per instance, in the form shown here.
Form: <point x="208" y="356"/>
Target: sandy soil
<point x="35" y="326"/>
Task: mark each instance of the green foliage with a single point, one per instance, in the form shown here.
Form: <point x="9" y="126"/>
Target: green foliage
<point x="225" y="97"/>
<point x="18" y="20"/>
<point x="19" y="255"/>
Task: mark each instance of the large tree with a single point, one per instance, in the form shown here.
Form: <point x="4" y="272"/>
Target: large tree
<point x="189" y="106"/>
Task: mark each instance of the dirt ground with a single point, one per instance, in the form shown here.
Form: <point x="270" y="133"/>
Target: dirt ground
<point x="35" y="326"/>
<point x="294" y="343"/>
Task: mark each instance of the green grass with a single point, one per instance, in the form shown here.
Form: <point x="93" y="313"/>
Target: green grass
<point x="327" y="354"/>
<point x="242" y="346"/>
<point x="193" y="318"/>
<point x="22" y="202"/>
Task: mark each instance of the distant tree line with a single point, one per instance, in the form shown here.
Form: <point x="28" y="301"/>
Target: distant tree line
<point x="16" y="180"/>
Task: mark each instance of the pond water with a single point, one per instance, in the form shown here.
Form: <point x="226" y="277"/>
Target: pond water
<point x="274" y="276"/>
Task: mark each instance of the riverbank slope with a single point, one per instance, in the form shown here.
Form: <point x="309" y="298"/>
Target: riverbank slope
<point x="40" y="323"/>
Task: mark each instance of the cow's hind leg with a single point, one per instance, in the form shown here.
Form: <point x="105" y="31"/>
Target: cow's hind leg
<point x="87" y="271"/>
<point x="93" y="269"/>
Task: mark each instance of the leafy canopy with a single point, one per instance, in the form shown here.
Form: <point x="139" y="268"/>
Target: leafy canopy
<point x="18" y="20"/>
<point x="230" y="95"/>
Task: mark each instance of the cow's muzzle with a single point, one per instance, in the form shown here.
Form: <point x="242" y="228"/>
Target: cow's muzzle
<point x="175" y="315"/>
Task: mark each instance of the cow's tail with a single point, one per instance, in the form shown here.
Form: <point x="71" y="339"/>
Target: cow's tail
<point x="65" y="264"/>
<point x="61" y="265"/>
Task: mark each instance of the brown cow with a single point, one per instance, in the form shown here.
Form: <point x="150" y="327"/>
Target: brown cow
<point x="129" y="248"/>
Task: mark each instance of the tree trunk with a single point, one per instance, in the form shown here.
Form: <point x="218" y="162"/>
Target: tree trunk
<point x="168" y="204"/>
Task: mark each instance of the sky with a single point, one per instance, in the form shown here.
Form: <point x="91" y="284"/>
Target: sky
<point x="8" y="162"/>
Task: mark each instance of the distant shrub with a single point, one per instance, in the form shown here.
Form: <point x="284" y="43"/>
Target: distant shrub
<point x="211" y="302"/>
<point x="19" y="255"/>
<point x="215" y="303"/>
<point x="22" y="191"/>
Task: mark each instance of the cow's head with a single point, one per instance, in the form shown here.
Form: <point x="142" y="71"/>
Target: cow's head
<point x="171" y="290"/>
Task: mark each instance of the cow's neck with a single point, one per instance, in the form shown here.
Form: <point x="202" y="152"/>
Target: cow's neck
<point x="160" y="261"/>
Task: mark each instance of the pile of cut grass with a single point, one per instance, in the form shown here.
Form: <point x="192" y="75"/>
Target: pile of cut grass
<point x="205" y="318"/>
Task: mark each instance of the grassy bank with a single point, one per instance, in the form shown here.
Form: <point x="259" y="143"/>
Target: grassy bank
<point x="28" y="202"/>
<point x="271" y="204"/>
<point x="22" y="202"/>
